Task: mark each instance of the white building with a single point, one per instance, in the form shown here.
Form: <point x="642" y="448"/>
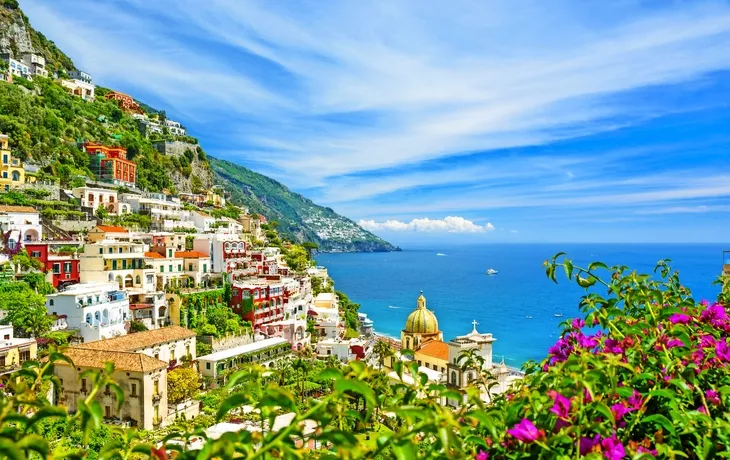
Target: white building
<point x="17" y="68"/>
<point x="263" y="352"/>
<point x="92" y="197"/>
<point x="225" y="251"/>
<point x="98" y="311"/>
<point x="36" y="64"/>
<point x="345" y="350"/>
<point x="80" y="89"/>
<point x="293" y="330"/>
<point x="175" y="128"/>
<point x="203" y="222"/>
<point x="158" y="205"/>
<point x="80" y="75"/>
<point x="23" y="222"/>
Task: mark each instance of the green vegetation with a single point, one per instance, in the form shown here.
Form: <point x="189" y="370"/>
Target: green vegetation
<point x="349" y="309"/>
<point x="299" y="218"/>
<point x="25" y="310"/>
<point x="183" y="383"/>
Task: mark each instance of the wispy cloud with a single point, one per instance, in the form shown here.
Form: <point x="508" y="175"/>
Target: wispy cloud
<point x="449" y="224"/>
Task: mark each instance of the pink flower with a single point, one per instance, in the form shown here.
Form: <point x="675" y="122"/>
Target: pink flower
<point x="702" y="409"/>
<point x="722" y="350"/>
<point x="679" y="318"/>
<point x="525" y="431"/>
<point x="561" y="406"/>
<point x="587" y="444"/>
<point x="481" y="455"/>
<point x="715" y="315"/>
<point x="672" y="343"/>
<point x="707" y="341"/>
<point x="578" y="323"/>
<point x="613" y="449"/>
<point x="712" y="397"/>
<point x="587" y="341"/>
<point x="612" y="346"/>
<point x="635" y="401"/>
<point x="619" y="410"/>
<point x="646" y="450"/>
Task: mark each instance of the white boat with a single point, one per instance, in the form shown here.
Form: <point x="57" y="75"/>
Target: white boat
<point x="528" y="317"/>
<point x="491" y="271"/>
<point x="558" y="315"/>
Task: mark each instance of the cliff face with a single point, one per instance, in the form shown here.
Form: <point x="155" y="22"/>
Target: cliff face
<point x="200" y="175"/>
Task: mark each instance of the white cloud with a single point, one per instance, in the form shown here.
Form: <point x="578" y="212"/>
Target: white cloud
<point x="449" y="224"/>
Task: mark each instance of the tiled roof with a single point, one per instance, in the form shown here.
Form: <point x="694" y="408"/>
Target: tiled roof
<point x="112" y="229"/>
<point x="154" y="255"/>
<point x="435" y="349"/>
<point x="5" y="208"/>
<point x="140" y="340"/>
<point x="191" y="254"/>
<point x="123" y="361"/>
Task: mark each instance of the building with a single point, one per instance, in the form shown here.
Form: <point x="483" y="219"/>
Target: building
<point x="80" y="75"/>
<point x="36" y="64"/>
<point x="143" y="380"/>
<point x="119" y="262"/>
<point x="175" y="128"/>
<point x="259" y="301"/>
<point x="12" y="173"/>
<point x="345" y="350"/>
<point x="218" y="364"/>
<point x="110" y="164"/>
<point x="97" y="311"/>
<point x="125" y="101"/>
<point x="93" y="198"/>
<point x="15" y="67"/>
<point x="20" y="224"/>
<point x="158" y="205"/>
<point x="60" y="261"/>
<point x="79" y="88"/>
<point x="108" y="232"/>
<point x="293" y="330"/>
<point x="196" y="266"/>
<point x="14" y="352"/>
<point x="171" y="345"/>
<point x="226" y="252"/>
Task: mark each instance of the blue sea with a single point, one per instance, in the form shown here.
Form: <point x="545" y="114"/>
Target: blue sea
<point x="457" y="290"/>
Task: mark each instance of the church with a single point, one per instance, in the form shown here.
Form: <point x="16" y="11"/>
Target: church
<point x="439" y="360"/>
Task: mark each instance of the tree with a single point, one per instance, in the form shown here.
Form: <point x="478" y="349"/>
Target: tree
<point x="137" y="326"/>
<point x="23" y="262"/>
<point x="383" y="349"/>
<point x="311" y="247"/>
<point x="26" y="311"/>
<point x="183" y="383"/>
<point x="102" y="213"/>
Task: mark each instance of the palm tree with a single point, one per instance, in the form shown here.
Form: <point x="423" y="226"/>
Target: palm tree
<point x="384" y="350"/>
<point x="302" y="367"/>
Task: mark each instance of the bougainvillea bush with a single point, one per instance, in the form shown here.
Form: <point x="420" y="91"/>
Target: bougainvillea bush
<point x="641" y="372"/>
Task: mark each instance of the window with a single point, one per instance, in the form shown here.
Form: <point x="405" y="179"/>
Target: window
<point x="56" y="269"/>
<point x="2" y="361"/>
<point x="35" y="254"/>
<point x="83" y="384"/>
<point x="101" y="250"/>
<point x="107" y="411"/>
<point x="156" y="390"/>
<point x="170" y="268"/>
<point x="5" y="159"/>
<point x="179" y="267"/>
<point x="162" y="269"/>
<point x="16" y="176"/>
<point x="50" y="302"/>
<point x="5" y="175"/>
<point x="121" y="250"/>
<point x="205" y="268"/>
<point x="207" y="365"/>
<point x="172" y="354"/>
<point x="67" y="267"/>
<point x="190" y="267"/>
<point x="134" y="390"/>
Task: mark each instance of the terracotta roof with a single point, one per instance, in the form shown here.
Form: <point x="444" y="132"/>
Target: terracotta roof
<point x="5" y="208"/>
<point x="154" y="255"/>
<point x="112" y="229"/>
<point x="140" y="340"/>
<point x="435" y="349"/>
<point x="191" y="254"/>
<point x="123" y="361"/>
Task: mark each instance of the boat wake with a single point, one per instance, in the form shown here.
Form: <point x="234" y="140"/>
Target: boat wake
<point x="440" y="254"/>
<point x="393" y="307"/>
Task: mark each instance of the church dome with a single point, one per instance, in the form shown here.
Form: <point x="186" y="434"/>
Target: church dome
<point x="422" y="320"/>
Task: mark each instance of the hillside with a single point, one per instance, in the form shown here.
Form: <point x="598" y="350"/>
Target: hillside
<point x="45" y="124"/>
<point x="299" y="218"/>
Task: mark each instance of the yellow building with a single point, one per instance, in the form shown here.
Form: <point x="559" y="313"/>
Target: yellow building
<point x="422" y="335"/>
<point x="14" y="352"/>
<point x="12" y="174"/>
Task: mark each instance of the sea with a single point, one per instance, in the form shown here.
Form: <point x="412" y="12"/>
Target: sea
<point x="519" y="305"/>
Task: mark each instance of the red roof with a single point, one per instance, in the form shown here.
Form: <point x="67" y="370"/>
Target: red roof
<point x="112" y="229"/>
<point x="154" y="255"/>
<point x="191" y="255"/>
<point x="435" y="349"/>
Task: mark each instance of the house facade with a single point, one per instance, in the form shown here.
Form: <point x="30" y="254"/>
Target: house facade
<point x="125" y="101"/>
<point x="119" y="262"/>
<point x="15" y="351"/>
<point x="22" y="224"/>
<point x="93" y="197"/>
<point x="12" y="173"/>
<point x="60" y="262"/>
<point x="110" y="164"/>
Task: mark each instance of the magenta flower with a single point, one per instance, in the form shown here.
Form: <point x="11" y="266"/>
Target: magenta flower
<point x="707" y="341"/>
<point x="612" y="346"/>
<point x="587" y="341"/>
<point x="578" y="323"/>
<point x="613" y="449"/>
<point x="715" y="314"/>
<point x="561" y="408"/>
<point x="619" y="410"/>
<point x="672" y="343"/>
<point x="635" y="401"/>
<point x="587" y="444"/>
<point x="702" y="409"/>
<point x="722" y="350"/>
<point x="712" y="397"/>
<point x="525" y="431"/>
<point x="481" y="455"/>
<point x="679" y="318"/>
<point x="646" y="450"/>
<point x="560" y="351"/>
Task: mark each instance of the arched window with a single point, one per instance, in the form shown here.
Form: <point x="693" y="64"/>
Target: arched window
<point x="453" y="378"/>
<point x="88" y="318"/>
<point x="138" y="280"/>
<point x="408" y="343"/>
<point x="16" y="176"/>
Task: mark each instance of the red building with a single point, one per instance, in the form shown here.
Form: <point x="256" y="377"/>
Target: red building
<point x="61" y="264"/>
<point x="110" y="164"/>
<point x="125" y="101"/>
<point x="259" y="301"/>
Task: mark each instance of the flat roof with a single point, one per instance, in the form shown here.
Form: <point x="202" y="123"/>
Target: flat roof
<point x="243" y="349"/>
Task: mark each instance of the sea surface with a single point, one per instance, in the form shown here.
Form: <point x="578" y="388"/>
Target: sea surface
<point x="518" y="305"/>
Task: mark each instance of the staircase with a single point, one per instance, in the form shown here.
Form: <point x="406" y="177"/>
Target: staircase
<point x="53" y="232"/>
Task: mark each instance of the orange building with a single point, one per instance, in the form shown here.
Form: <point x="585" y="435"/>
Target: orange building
<point x="125" y="101"/>
<point x="110" y="164"/>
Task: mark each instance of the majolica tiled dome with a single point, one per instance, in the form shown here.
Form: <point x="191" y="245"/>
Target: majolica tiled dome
<point x="422" y="320"/>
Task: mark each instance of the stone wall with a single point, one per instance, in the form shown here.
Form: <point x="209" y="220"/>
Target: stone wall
<point x="224" y="343"/>
<point x="53" y="189"/>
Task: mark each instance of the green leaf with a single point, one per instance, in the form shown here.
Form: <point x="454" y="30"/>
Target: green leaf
<point x="662" y="421"/>
<point x="232" y="402"/>
<point x="43" y="413"/>
<point x="405" y="451"/>
<point x="356" y="386"/>
<point x="35" y="443"/>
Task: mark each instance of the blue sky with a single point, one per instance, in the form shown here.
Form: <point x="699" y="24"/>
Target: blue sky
<point x="514" y="121"/>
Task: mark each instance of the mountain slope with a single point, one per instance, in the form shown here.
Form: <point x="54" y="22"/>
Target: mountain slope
<point x="298" y="217"/>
